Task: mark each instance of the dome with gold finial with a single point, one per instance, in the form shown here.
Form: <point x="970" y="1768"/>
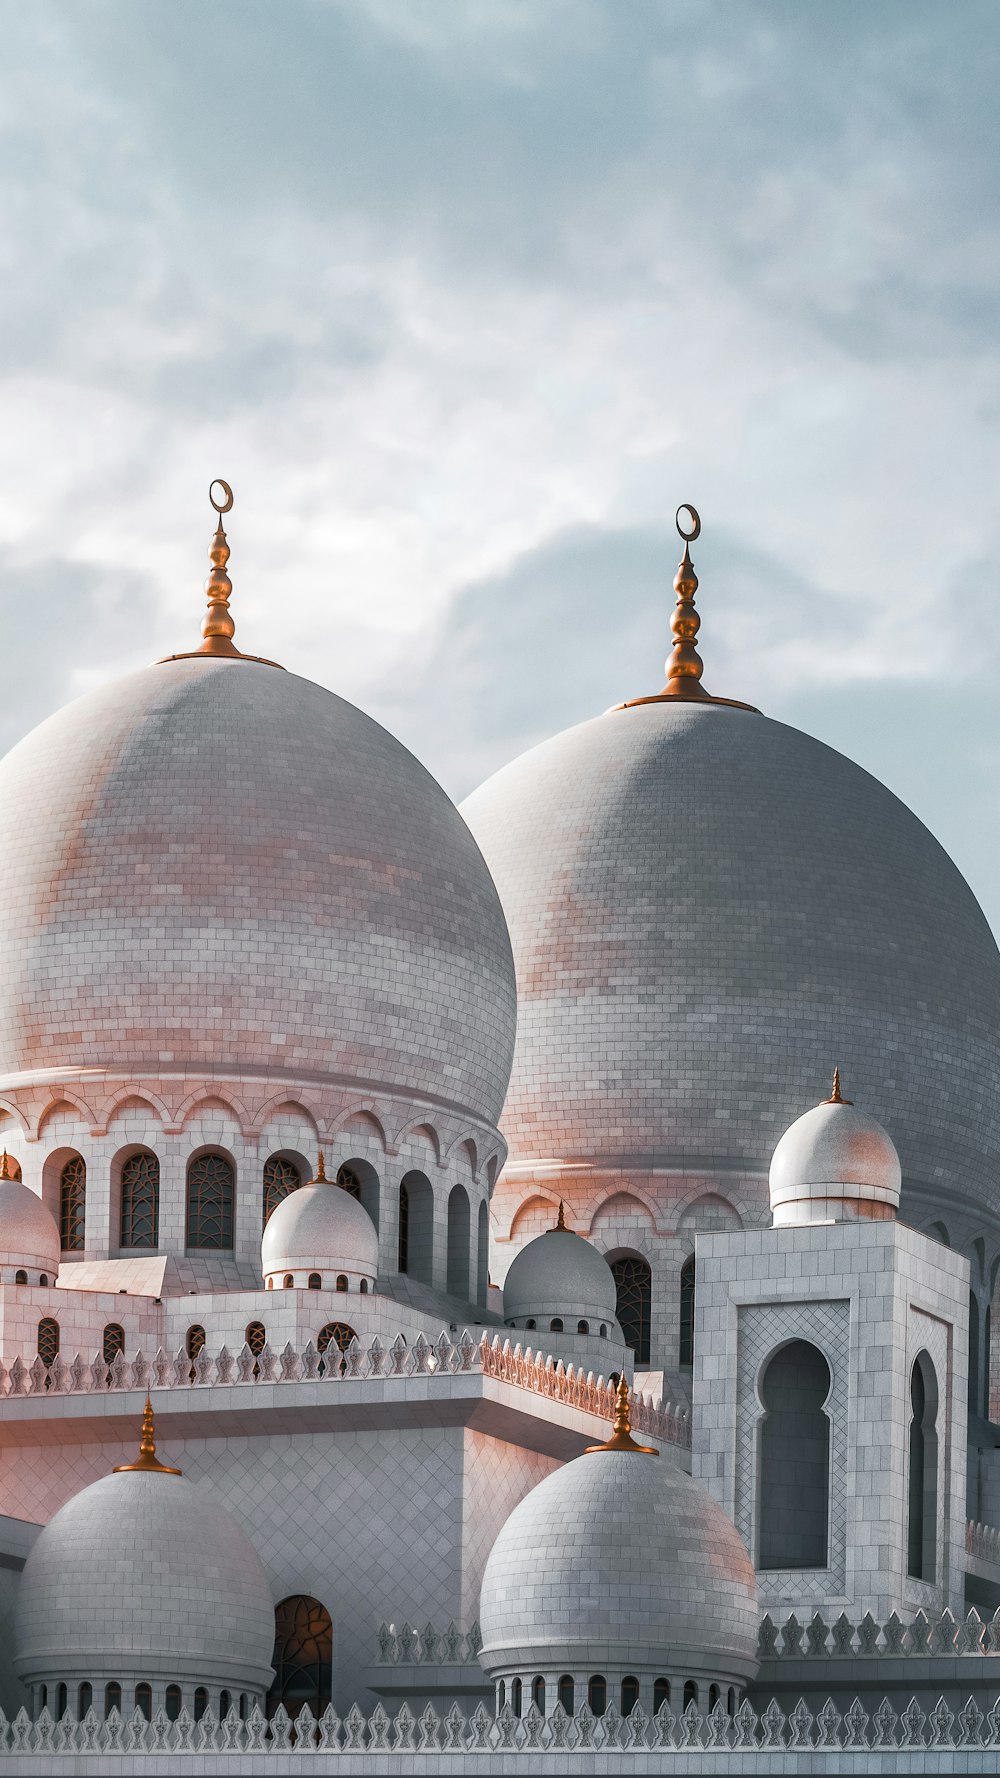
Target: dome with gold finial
<point x="319" y="1233"/>
<point x="704" y="905"/>
<point x="835" y="1163"/>
<point x="144" y="1578"/>
<point x="561" y="1277"/>
<point x="29" y="1234"/>
<point x="240" y="873"/>
<point x="620" y="1564"/>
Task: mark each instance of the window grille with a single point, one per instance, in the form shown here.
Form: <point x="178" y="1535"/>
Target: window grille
<point x="72" y="1203"/>
<point x="210" y="1203"/>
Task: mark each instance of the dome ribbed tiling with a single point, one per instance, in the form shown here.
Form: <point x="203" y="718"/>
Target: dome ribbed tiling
<point x="236" y="868"/>
<point x="708" y="908"/>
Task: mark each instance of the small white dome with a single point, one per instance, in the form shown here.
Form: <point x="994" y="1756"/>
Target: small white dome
<point x="620" y="1563"/>
<point x="835" y="1163"/>
<point x="143" y="1577"/>
<point x="319" y="1228"/>
<point x="560" y="1274"/>
<point x="29" y="1236"/>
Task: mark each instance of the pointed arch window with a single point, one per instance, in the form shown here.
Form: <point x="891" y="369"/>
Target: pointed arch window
<point x="794" y="1491"/>
<point x="48" y="1340"/>
<point x="140" y="1201"/>
<point x="303" y="1656"/>
<point x="113" y="1342"/>
<point x="685" y="1353"/>
<point x="211" y="1185"/>
<point x="281" y="1178"/>
<point x="921" y="1552"/>
<point x="635" y="1300"/>
<point x="339" y="1335"/>
<point x="72" y="1204"/>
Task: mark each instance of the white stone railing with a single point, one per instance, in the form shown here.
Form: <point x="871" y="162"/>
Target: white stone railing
<point x="541" y="1374"/>
<point x="944" y="1636"/>
<point x="982" y="1541"/>
<point x="430" y="1647"/>
<point x="732" y="1740"/>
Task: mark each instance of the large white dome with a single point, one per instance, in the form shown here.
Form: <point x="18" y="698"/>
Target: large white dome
<point x="215" y="864"/>
<point x="143" y="1576"/>
<point x="709" y="910"/>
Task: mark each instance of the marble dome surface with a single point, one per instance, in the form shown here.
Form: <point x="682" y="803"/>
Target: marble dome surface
<point x="559" y="1273"/>
<point x="708" y="910"/>
<point x="835" y="1151"/>
<point x="320" y="1227"/>
<point x="203" y="1609"/>
<point x="29" y="1234"/>
<point x="619" y="1559"/>
<point x="237" y="869"/>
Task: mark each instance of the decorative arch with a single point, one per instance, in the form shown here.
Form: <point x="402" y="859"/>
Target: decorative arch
<point x="128" y="1098"/>
<point x="633" y="1277"/>
<point x="14" y="1110"/>
<point x="210" y="1201"/>
<point x="793" y="1499"/>
<point x="272" y="1108"/>
<point x="708" y="1213"/>
<point x="459" y="1282"/>
<point x="210" y="1099"/>
<point x="938" y="1231"/>
<point x="922" y="1481"/>
<point x="731" y="1198"/>
<point x="303" y="1656"/>
<point x="419" y="1127"/>
<point x="471" y="1147"/>
<point x="363" y="1116"/>
<point x="619" y="1207"/>
<point x="67" y="1101"/>
<point x="539" y="1205"/>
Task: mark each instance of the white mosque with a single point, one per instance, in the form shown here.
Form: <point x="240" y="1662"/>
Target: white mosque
<point x="450" y="1322"/>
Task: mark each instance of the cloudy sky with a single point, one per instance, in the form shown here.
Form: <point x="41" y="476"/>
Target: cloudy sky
<point x="463" y="297"/>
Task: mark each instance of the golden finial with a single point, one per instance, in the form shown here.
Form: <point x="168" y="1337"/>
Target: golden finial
<point x="836" y="1097"/>
<point x="217" y="625"/>
<point x="684" y="665"/>
<point x="147" y="1460"/>
<point x="5" y="1165"/>
<point x="321" y="1168"/>
<point x="621" y="1438"/>
<point x="561" y="1218"/>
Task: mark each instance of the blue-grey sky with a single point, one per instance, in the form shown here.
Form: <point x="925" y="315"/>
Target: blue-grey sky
<point x="463" y="297"/>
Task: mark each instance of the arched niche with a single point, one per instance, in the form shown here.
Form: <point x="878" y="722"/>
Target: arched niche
<point x="793" y="1476"/>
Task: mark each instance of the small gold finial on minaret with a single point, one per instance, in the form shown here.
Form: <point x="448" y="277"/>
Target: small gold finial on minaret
<point x="217" y="625"/>
<point x="5" y="1165"/>
<point x="621" y="1438"/>
<point x="684" y="665"/>
<point x="321" y="1168"/>
<point x="836" y="1096"/>
<point x="561" y="1218"/>
<point x="147" y="1460"/>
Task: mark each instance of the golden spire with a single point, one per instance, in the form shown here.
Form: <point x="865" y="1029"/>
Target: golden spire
<point x="684" y="664"/>
<point x="147" y="1460"/>
<point x="321" y="1168"/>
<point x="5" y="1165"/>
<point x="621" y="1438"/>
<point x="836" y="1097"/>
<point x="561" y="1218"/>
<point x="217" y="625"/>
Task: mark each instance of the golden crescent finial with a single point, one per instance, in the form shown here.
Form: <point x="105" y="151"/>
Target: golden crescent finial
<point x="147" y="1460"/>
<point x="227" y="504"/>
<point x="217" y="626"/>
<point x="691" y="536"/>
<point x="561" y="1218"/>
<point x="621" y="1438"/>
<point x="836" y="1096"/>
<point x="321" y="1168"/>
<point x="5" y="1165"/>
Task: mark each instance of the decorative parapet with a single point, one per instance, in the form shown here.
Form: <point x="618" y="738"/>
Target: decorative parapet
<point x="733" y="1741"/>
<point x="537" y="1372"/>
<point x="429" y="1647"/>
<point x="983" y="1542"/>
<point x="923" y="1637"/>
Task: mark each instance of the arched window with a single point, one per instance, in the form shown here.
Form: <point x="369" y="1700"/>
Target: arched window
<point x="502" y="1694"/>
<point x="516" y="1696"/>
<point x="567" y="1692"/>
<point x="974" y="1407"/>
<point x="597" y="1693"/>
<point x="13" y="1167"/>
<point x="210" y="1191"/>
<point x="530" y="1323"/>
<point x="84" y="1699"/>
<point x="315" y="1281"/>
<point x="714" y="1695"/>
<point x="921" y="1543"/>
<point x="281" y="1177"/>
<point x="690" y="1693"/>
<point x="661" y="1694"/>
<point x="987" y="1359"/>
<point x="538" y="1693"/>
<point x="144" y="1700"/>
<point x="200" y="1703"/>
<point x="194" y="1343"/>
<point x="48" y="1340"/>
<point x="419" y="1219"/>
<point x="225" y="1705"/>
<point x="359" y="1178"/>
<point x="338" y="1335"/>
<point x="583" y="1327"/>
<point x="72" y="1204"/>
<point x="604" y="1330"/>
<point x="794" y="1480"/>
<point x="635" y="1295"/>
<point x="256" y="1337"/>
<point x="686" y="1343"/>
<point x="303" y="1656"/>
<point x="363" y="1287"/>
<point x="630" y="1694"/>
<point x="43" y="1279"/>
<point x="288" y="1281"/>
<point x="61" y="1702"/>
<point x="140" y="1201"/>
<point x="114" y="1341"/>
<point x="112" y="1698"/>
<point x="483" y="1257"/>
<point x="341" y="1281"/>
<point x="555" y="1325"/>
<point x="20" y="1277"/>
<point x="173" y="1702"/>
<point x="459" y="1238"/>
<point x="732" y="1700"/>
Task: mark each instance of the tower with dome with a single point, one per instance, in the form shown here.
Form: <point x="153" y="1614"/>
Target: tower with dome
<point x="375" y="1157"/>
